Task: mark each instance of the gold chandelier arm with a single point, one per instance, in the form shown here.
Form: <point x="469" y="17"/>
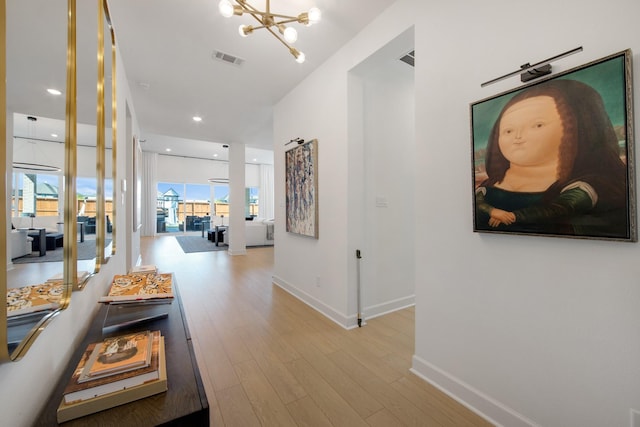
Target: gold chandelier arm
<point x="257" y="15"/>
<point x="247" y="8"/>
<point x="258" y="27"/>
<point x="286" y="21"/>
<point x="291" y="18"/>
<point x="276" y="35"/>
<point x="268" y="20"/>
<point x="257" y="18"/>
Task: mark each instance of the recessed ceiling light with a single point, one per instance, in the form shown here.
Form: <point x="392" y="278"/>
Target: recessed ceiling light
<point x="54" y="91"/>
<point x="197" y="118"/>
<point x="167" y="149"/>
<point x="255" y="160"/>
<point x="215" y="155"/>
<point x="54" y="135"/>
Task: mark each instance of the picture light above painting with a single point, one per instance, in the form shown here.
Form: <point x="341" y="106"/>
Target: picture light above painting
<point x="555" y="157"/>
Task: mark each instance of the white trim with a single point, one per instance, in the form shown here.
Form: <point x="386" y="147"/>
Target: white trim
<point x="388" y="307"/>
<point x="483" y="405"/>
<point x="237" y="252"/>
<point x="347" y="322"/>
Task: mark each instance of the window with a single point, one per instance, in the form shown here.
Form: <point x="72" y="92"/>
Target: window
<point x="251" y="201"/>
<point x="34" y="194"/>
<point x="87" y="195"/>
<point x="181" y="207"/>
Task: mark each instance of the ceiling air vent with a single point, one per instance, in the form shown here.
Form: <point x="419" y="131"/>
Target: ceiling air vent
<point x="409" y="58"/>
<point x="229" y="59"/>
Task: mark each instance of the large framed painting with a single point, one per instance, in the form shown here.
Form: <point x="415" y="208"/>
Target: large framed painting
<point x="555" y="157"/>
<point x="301" y="186"/>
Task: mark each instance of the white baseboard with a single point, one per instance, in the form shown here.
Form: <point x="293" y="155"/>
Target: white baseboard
<point x="339" y="318"/>
<point x="237" y="252"/>
<point x="483" y="405"/>
<point x="346" y="321"/>
<point x="377" y="310"/>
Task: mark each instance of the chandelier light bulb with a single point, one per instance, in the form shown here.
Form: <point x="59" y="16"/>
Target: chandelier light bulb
<point x="314" y="15"/>
<point x="245" y="30"/>
<point x="226" y="8"/>
<point x="290" y="34"/>
<point x="271" y="21"/>
<point x="298" y="55"/>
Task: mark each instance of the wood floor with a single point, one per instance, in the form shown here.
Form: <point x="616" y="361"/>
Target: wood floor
<point x="267" y="359"/>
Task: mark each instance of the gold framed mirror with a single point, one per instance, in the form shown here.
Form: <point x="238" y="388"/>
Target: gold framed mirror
<point x="17" y="333"/>
<point x="30" y="308"/>
<point x="105" y="213"/>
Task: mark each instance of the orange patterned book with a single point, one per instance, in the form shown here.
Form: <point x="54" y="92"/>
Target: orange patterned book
<point x="139" y="287"/>
<point x="32" y="298"/>
<point x="118" y="354"/>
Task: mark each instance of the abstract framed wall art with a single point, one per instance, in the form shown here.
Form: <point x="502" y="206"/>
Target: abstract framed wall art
<point x="301" y="187"/>
<point x="556" y="157"/>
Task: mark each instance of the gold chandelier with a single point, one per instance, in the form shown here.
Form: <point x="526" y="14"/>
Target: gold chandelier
<point x="267" y="20"/>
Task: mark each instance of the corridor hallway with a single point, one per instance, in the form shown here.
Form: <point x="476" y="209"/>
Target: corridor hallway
<point x="267" y="359"/>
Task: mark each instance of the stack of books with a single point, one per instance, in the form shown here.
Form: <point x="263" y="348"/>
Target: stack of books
<point x="33" y="298"/>
<point x="144" y="269"/>
<point x="140" y="287"/>
<point x="113" y="372"/>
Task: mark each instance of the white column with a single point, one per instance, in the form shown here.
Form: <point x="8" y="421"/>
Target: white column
<point x="237" y="239"/>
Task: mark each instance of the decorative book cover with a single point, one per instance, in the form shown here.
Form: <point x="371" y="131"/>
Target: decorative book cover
<point x="133" y="287"/>
<point x="143" y="269"/>
<point x="118" y="354"/>
<point x="81" y="408"/>
<point x="76" y="390"/>
<point x="32" y="298"/>
<point x="82" y="276"/>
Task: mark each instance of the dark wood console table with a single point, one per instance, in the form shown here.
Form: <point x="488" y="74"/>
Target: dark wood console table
<point x="184" y="404"/>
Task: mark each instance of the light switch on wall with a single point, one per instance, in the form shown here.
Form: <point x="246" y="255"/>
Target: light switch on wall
<point x="381" y="202"/>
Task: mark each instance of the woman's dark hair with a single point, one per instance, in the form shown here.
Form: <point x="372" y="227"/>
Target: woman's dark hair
<point x="589" y="149"/>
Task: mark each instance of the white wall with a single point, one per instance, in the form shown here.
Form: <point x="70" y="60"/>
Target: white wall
<point x="198" y="171"/>
<point x="316" y="270"/>
<point x="323" y="272"/>
<point x="52" y="153"/>
<point x="386" y="215"/>
<point x="190" y="170"/>
<point x="527" y="330"/>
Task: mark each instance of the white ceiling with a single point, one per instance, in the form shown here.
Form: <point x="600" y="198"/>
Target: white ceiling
<point x="167" y="48"/>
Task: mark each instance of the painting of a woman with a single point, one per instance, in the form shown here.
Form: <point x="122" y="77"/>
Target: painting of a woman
<point x="554" y="166"/>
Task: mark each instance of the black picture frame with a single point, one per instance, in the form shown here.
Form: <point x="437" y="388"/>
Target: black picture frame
<point x="582" y="185"/>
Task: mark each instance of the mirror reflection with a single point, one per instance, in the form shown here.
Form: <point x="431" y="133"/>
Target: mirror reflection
<point x="35" y="100"/>
<point x="34" y="92"/>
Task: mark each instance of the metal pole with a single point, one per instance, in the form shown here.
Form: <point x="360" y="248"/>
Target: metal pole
<point x="359" y="257"/>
